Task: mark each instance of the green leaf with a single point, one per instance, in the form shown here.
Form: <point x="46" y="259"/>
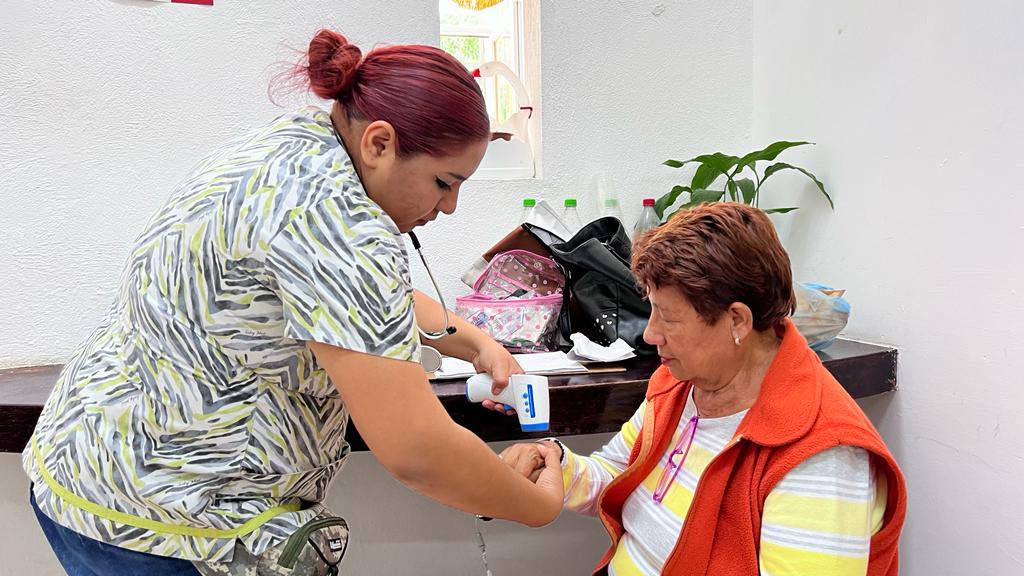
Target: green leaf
<point x="662" y="204"/>
<point x="779" y="166"/>
<point x="704" y="177"/>
<point x="698" y="197"/>
<point x="704" y="196"/>
<point x="746" y="186"/>
<point x="779" y="210"/>
<point x="731" y="187"/>
<point x="711" y="167"/>
<point x="717" y="161"/>
<point x="769" y="153"/>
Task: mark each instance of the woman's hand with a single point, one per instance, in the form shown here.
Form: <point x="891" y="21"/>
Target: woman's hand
<point x="525" y="459"/>
<point x="529" y="460"/>
<point x="549" y="480"/>
<point x="493" y="359"/>
<point x="469" y="343"/>
<point x="540" y="462"/>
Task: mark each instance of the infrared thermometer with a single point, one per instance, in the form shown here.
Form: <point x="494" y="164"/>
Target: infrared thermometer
<point x="527" y="393"/>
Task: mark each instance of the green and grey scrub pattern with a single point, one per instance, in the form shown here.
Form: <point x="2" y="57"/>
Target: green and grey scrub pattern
<point x="195" y="416"/>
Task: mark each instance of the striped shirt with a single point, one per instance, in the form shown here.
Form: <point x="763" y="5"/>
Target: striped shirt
<point x="817" y="520"/>
<point x="195" y="415"/>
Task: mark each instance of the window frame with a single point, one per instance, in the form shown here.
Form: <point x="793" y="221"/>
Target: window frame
<point x="525" y="36"/>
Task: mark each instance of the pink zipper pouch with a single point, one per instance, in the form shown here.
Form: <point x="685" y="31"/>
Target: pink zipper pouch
<point x="516" y="300"/>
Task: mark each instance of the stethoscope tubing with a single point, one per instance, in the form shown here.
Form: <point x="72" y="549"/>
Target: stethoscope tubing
<point x="448" y="328"/>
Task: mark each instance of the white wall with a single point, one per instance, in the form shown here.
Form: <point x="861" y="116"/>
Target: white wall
<point x="625" y="85"/>
<point x="104" y="107"/>
<point x="916" y="109"/>
<point x="105" y="104"/>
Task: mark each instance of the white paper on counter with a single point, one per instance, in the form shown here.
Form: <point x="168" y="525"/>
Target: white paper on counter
<point x="546" y="363"/>
<point x="586" y="350"/>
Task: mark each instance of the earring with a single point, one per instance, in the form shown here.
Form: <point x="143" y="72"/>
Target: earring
<point x="736" y="339"/>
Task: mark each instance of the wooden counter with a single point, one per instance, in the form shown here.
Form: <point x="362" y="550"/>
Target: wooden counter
<point x="580" y="404"/>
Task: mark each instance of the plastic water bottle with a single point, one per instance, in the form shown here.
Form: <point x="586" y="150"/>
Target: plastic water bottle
<point x="648" y="218"/>
<point x="571" y="216"/>
<point x="528" y="205"/>
<point x="611" y="207"/>
<point x="606" y="193"/>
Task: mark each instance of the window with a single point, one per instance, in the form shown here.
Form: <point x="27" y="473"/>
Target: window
<point x="477" y="32"/>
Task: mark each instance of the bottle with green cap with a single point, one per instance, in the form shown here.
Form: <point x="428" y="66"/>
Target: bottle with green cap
<point x="571" y="216"/>
<point x="528" y="204"/>
<point x="604" y="190"/>
<point x="610" y="207"/>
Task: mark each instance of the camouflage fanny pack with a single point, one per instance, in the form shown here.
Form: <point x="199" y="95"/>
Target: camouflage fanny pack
<point x="315" y="549"/>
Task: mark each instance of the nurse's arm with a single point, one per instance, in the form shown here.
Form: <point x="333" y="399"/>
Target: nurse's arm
<point x="411" y="434"/>
<point x="467" y="341"/>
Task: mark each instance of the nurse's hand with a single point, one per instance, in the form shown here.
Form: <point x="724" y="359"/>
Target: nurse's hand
<point x="528" y="459"/>
<point x="493" y="359"/>
<point x="550" y="479"/>
<point x="540" y="463"/>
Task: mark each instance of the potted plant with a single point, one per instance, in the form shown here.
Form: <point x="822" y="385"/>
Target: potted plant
<point x="742" y="180"/>
<point x="821" y="313"/>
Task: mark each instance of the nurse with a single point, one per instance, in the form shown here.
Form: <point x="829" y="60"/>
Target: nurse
<point x="199" y="426"/>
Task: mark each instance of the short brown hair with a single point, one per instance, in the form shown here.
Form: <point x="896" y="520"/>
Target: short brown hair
<point x="717" y="254"/>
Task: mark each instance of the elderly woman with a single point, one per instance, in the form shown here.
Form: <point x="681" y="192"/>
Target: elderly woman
<point x="746" y="456"/>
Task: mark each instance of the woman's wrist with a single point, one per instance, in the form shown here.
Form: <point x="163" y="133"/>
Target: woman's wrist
<point x="561" y="448"/>
<point x="468" y="342"/>
<point x="479" y="342"/>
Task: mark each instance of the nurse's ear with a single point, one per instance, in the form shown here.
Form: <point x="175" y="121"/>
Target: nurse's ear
<point x="379" y="145"/>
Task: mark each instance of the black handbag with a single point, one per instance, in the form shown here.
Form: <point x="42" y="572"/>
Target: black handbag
<point x="601" y="296"/>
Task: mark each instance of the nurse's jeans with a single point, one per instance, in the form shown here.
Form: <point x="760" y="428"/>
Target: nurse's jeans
<point x="82" y="556"/>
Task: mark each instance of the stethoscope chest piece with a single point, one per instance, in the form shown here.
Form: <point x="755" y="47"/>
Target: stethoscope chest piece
<point x="430" y="359"/>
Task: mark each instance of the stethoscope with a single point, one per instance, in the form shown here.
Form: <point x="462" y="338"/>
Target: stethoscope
<point x="430" y="358"/>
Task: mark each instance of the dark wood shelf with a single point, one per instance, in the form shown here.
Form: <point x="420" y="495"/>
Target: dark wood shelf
<point x="580" y="404"/>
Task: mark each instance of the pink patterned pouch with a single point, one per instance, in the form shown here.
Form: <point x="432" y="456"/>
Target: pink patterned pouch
<point x="516" y="300"/>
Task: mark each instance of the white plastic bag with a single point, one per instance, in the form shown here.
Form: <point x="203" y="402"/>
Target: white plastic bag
<point x="821" y="313"/>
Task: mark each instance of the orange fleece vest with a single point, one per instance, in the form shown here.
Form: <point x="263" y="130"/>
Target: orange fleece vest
<point x="800" y="411"/>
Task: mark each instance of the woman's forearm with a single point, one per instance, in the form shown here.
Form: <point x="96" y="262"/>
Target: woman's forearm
<point x="413" y="437"/>
<point x="459" y="470"/>
<point x="464" y="344"/>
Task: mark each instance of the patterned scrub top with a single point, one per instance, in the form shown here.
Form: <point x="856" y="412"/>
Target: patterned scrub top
<point x="195" y="414"/>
